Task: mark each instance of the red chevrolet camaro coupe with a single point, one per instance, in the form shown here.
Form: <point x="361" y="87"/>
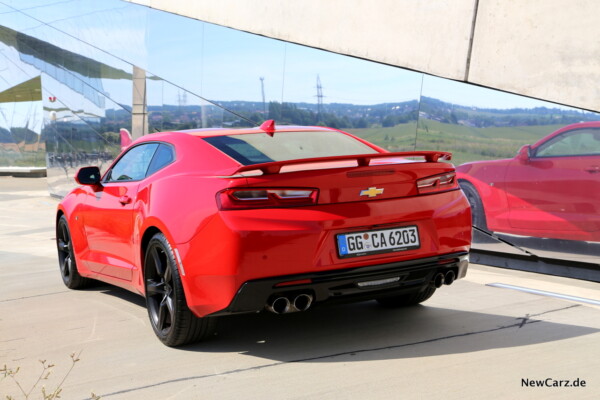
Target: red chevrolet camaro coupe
<point x="211" y="222"/>
<point x="551" y="189"/>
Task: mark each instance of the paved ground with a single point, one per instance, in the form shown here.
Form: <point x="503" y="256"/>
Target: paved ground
<point x="470" y="341"/>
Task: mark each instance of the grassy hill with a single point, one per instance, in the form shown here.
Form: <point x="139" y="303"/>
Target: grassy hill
<point x="465" y="142"/>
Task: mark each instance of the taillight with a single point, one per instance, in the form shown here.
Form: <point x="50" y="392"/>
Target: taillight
<point x="240" y="199"/>
<point x="437" y="183"/>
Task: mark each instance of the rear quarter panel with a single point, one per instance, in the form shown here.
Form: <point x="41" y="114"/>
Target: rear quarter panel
<point x="70" y="206"/>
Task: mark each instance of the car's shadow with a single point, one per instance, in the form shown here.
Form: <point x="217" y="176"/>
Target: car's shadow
<point x="367" y="331"/>
<point x="378" y="333"/>
<point x="133" y="298"/>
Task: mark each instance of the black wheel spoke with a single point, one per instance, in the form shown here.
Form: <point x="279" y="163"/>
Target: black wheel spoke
<point x="69" y="265"/>
<point x="63" y="246"/>
<point x="155" y="288"/>
<point x="163" y="315"/>
<point x="160" y="320"/>
<point x="65" y="234"/>
<point x="170" y="306"/>
<point x="64" y="266"/>
<point x="156" y="259"/>
<point x="167" y="277"/>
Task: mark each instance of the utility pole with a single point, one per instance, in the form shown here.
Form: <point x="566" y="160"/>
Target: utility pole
<point x="182" y="99"/>
<point x="262" y="87"/>
<point x="319" y="99"/>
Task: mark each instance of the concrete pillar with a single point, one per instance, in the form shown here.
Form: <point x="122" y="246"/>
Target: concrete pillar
<point x="139" y="111"/>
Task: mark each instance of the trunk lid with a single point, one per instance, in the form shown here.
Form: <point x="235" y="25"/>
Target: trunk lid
<point x="350" y="179"/>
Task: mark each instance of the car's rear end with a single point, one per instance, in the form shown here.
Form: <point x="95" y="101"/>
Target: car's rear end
<point x="319" y="216"/>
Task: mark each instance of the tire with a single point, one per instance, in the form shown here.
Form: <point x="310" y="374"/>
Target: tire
<point x="477" y="211"/>
<point x="171" y="319"/>
<point x="408" y="299"/>
<point x="66" y="257"/>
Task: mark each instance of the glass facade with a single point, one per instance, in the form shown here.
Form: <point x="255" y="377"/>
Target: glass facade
<point x="73" y="75"/>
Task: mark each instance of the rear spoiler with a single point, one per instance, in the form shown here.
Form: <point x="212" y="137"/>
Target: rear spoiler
<point x="363" y="160"/>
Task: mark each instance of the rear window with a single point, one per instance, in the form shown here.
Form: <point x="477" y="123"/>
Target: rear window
<point x="257" y="148"/>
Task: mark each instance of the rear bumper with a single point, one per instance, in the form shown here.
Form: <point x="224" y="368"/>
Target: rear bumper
<point x="343" y="285"/>
<point x="234" y="248"/>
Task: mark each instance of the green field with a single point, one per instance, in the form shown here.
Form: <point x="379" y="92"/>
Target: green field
<point x="465" y="143"/>
<point x="23" y="159"/>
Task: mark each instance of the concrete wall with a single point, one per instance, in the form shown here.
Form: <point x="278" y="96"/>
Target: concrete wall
<point x="547" y="49"/>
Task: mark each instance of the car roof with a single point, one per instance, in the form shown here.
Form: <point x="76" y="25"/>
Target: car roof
<point x="210" y="132"/>
<point x="179" y="135"/>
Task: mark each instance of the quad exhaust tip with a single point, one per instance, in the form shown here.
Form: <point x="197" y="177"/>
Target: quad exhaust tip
<point x="449" y="277"/>
<point x="443" y="279"/>
<point x="438" y="280"/>
<point x="280" y="305"/>
<point x="302" y="302"/>
<point x="283" y="305"/>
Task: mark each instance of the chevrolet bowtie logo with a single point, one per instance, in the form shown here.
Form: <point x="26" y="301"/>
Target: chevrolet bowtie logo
<point x="371" y="192"/>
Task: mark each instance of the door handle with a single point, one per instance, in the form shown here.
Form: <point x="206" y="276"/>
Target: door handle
<point x="594" y="169"/>
<point x="125" y="200"/>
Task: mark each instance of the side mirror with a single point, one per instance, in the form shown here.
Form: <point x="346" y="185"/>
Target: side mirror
<point x="524" y="153"/>
<point x="88" y="176"/>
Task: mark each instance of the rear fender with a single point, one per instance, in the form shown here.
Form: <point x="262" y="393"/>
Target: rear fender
<point x="70" y="207"/>
<point x="142" y="235"/>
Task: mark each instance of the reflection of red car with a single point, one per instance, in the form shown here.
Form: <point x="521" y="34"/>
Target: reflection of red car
<point x="550" y="189"/>
<point x="211" y="222"/>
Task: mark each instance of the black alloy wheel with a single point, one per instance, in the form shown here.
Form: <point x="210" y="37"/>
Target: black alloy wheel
<point x="171" y="319"/>
<point x="477" y="212"/>
<point x="66" y="257"/>
<point x="481" y="233"/>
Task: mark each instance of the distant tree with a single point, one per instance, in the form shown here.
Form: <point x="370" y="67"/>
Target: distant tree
<point x="361" y="123"/>
<point x="453" y="118"/>
<point x="388" y="121"/>
<point x="274" y="110"/>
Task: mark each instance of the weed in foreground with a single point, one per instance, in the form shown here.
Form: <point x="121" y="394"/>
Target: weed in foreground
<point x="11" y="374"/>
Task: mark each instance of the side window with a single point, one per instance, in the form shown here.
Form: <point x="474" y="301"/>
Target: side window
<point x="134" y="164"/>
<point x="574" y="143"/>
<point x="163" y="157"/>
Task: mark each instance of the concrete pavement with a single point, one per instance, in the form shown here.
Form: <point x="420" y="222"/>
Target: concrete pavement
<point x="468" y="341"/>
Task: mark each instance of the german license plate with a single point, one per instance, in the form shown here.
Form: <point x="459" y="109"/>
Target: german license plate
<point x="358" y="244"/>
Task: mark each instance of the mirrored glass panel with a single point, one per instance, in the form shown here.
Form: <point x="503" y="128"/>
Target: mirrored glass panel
<point x="79" y="133"/>
<point x="528" y="168"/>
<point x="373" y="101"/>
<point x="115" y="27"/>
<point x="12" y="18"/>
<point x="173" y="108"/>
<point x="21" y="146"/>
<point x="234" y="63"/>
<point x="177" y="56"/>
<point x="86" y="100"/>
